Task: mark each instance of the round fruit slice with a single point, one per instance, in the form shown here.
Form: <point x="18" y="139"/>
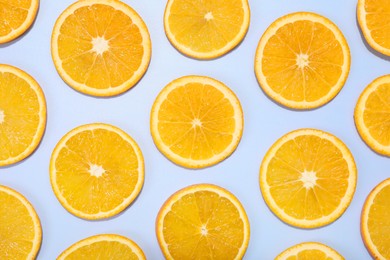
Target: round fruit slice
<point x="308" y="178"/>
<point x="302" y="60"/>
<point x="20" y="228"/>
<point x="100" y="47"/>
<point x="206" y="29"/>
<point x="375" y="221"/>
<point x="22" y="115"/>
<point x="105" y="246"/>
<point x="373" y="18"/>
<point x="202" y="221"/>
<point x="16" y="17"/>
<point x="310" y="250"/>
<point x="372" y="115"/>
<point x="96" y="171"/>
<point x="196" y="121"/>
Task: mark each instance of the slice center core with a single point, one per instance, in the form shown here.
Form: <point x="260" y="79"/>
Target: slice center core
<point x="302" y="60"/>
<point x="209" y="16"/>
<point x="203" y="230"/>
<point x="196" y="122"/>
<point x="100" y="45"/>
<point x="309" y="179"/>
<point x="96" y="170"/>
<point x="1" y="116"/>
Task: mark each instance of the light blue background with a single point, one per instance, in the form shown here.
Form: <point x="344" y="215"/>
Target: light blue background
<point x="265" y="122"/>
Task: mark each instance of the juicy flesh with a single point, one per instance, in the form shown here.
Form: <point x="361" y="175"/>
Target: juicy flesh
<point x="379" y="222"/>
<point x="310" y="254"/>
<point x="203" y="225"/>
<point x="205" y="26"/>
<point x="376" y="115"/>
<point x="196" y="121"/>
<point x="19" y="115"/>
<point x="103" y="250"/>
<point x="308" y="177"/>
<point x="13" y="13"/>
<point x="96" y="171"/>
<point x="378" y="21"/>
<point x="100" y="46"/>
<point x="17" y="231"/>
<point x="302" y="61"/>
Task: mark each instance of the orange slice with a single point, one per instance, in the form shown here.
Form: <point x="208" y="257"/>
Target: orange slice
<point x="22" y="115"/>
<point x="100" y="47"/>
<point x="309" y="250"/>
<point x="372" y="115"/>
<point x="16" y="17"/>
<point x="96" y="171"/>
<point x="375" y="221"/>
<point x="206" y="29"/>
<point x="105" y="246"/>
<point x="202" y="221"/>
<point x="302" y="60"/>
<point x="20" y="229"/>
<point x="308" y="178"/>
<point x="196" y="121"/>
<point x="373" y="18"/>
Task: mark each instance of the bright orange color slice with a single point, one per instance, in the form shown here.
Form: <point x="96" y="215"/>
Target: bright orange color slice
<point x="206" y="29"/>
<point x="373" y="17"/>
<point x="96" y="171"/>
<point x="302" y="60"/>
<point x="375" y="221"/>
<point x="308" y="178"/>
<point x="20" y="228"/>
<point x="203" y="221"/>
<point x="16" y="16"/>
<point x="105" y="246"/>
<point x="309" y="251"/>
<point x="196" y="121"/>
<point x="372" y="115"/>
<point x="100" y="47"/>
<point x="22" y="115"/>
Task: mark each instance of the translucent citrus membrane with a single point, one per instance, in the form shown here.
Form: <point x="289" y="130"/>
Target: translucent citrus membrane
<point x="100" y="46"/>
<point x="203" y="224"/>
<point x="378" y="21"/>
<point x="206" y="26"/>
<point x="104" y="250"/>
<point x="13" y="14"/>
<point x="379" y="222"/>
<point x="312" y="177"/>
<point x="196" y="121"/>
<point x="305" y="67"/>
<point x="19" y="120"/>
<point x="376" y="115"/>
<point x="17" y="228"/>
<point x="96" y="171"/>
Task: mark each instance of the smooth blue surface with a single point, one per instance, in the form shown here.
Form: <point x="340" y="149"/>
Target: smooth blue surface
<point x="265" y="122"/>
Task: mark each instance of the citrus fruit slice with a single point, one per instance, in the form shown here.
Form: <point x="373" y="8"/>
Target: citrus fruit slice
<point x="373" y="18"/>
<point x="302" y="60"/>
<point x="308" y="178"/>
<point x="206" y="29"/>
<point x="100" y="47"/>
<point x="16" y="17"/>
<point x="22" y="115"/>
<point x="310" y="250"/>
<point x="196" y="121"/>
<point x="105" y="246"/>
<point x="372" y="115"/>
<point x="202" y="221"/>
<point x="96" y="171"/>
<point x="375" y="221"/>
<point x="20" y="228"/>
